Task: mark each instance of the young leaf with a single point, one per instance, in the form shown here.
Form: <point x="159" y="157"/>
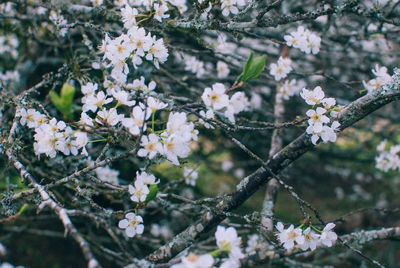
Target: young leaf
<point x="247" y="65"/>
<point x="63" y="102"/>
<point x="252" y="68"/>
<point x="67" y="93"/>
<point x="153" y="193"/>
<point x="23" y="208"/>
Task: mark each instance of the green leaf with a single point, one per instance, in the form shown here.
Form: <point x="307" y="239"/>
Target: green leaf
<point x="246" y="66"/>
<point x="23" y="208"/>
<point x="152" y="194"/>
<point x="67" y="93"/>
<point x="252" y="68"/>
<point x="63" y="102"/>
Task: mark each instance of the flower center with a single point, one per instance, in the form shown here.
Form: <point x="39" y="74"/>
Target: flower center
<point x="41" y="121"/>
<point x="192" y="257"/>
<point x="151" y="146"/>
<point x="315" y="117"/>
<point x="292" y="235"/>
<point x="133" y="222"/>
<point x="214" y="97"/>
<point x="100" y="103"/>
<point x="170" y="146"/>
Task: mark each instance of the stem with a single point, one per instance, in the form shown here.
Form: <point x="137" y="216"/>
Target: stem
<point x="152" y="121"/>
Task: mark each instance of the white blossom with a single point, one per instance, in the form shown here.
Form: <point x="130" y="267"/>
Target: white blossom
<point x="310" y="239"/>
<point x="97" y="2"/>
<point x="222" y="69"/>
<point x="215" y="98"/>
<point x="136" y="121"/>
<point x="382" y="78"/>
<point x="129" y="16"/>
<point x="190" y="175"/>
<point x="313" y="97"/>
<point x="288" y="89"/>
<point x="29" y="117"/>
<point x="155" y="104"/>
<point x="228" y="240"/>
<point x="86" y="119"/>
<point x="151" y="146"/>
<point x="107" y="174"/>
<point x="94" y="101"/>
<point x="317" y="119"/>
<point x="281" y="69"/>
<point x="109" y="117"/>
<point x="195" y="261"/>
<point x="122" y="97"/>
<point x="146" y="178"/>
<point x="194" y="65"/>
<point x="138" y="192"/>
<point x="255" y="243"/>
<point x="388" y="159"/>
<point x="289" y="236"/>
<point x="159" y="12"/>
<point x="132" y="224"/>
<point x="328" y="237"/>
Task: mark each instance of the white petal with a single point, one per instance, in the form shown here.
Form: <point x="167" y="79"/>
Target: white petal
<point x="140" y="229"/>
<point x="123" y="223"/>
<point x="130" y="231"/>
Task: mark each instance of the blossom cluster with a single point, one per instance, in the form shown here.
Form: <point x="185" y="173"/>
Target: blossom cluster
<point x="134" y="45"/>
<point x="173" y="143"/>
<point x="306" y="238"/>
<point x="305" y="40"/>
<point x="52" y="135"/>
<point x="281" y="69"/>
<point x="216" y="99"/>
<point x="133" y="223"/>
<point x="228" y="242"/>
<point x="94" y="101"/>
<point x="177" y="137"/>
<point x="9" y="45"/>
<point x="318" y="120"/>
<point x="388" y="159"/>
<point x="382" y="78"/>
